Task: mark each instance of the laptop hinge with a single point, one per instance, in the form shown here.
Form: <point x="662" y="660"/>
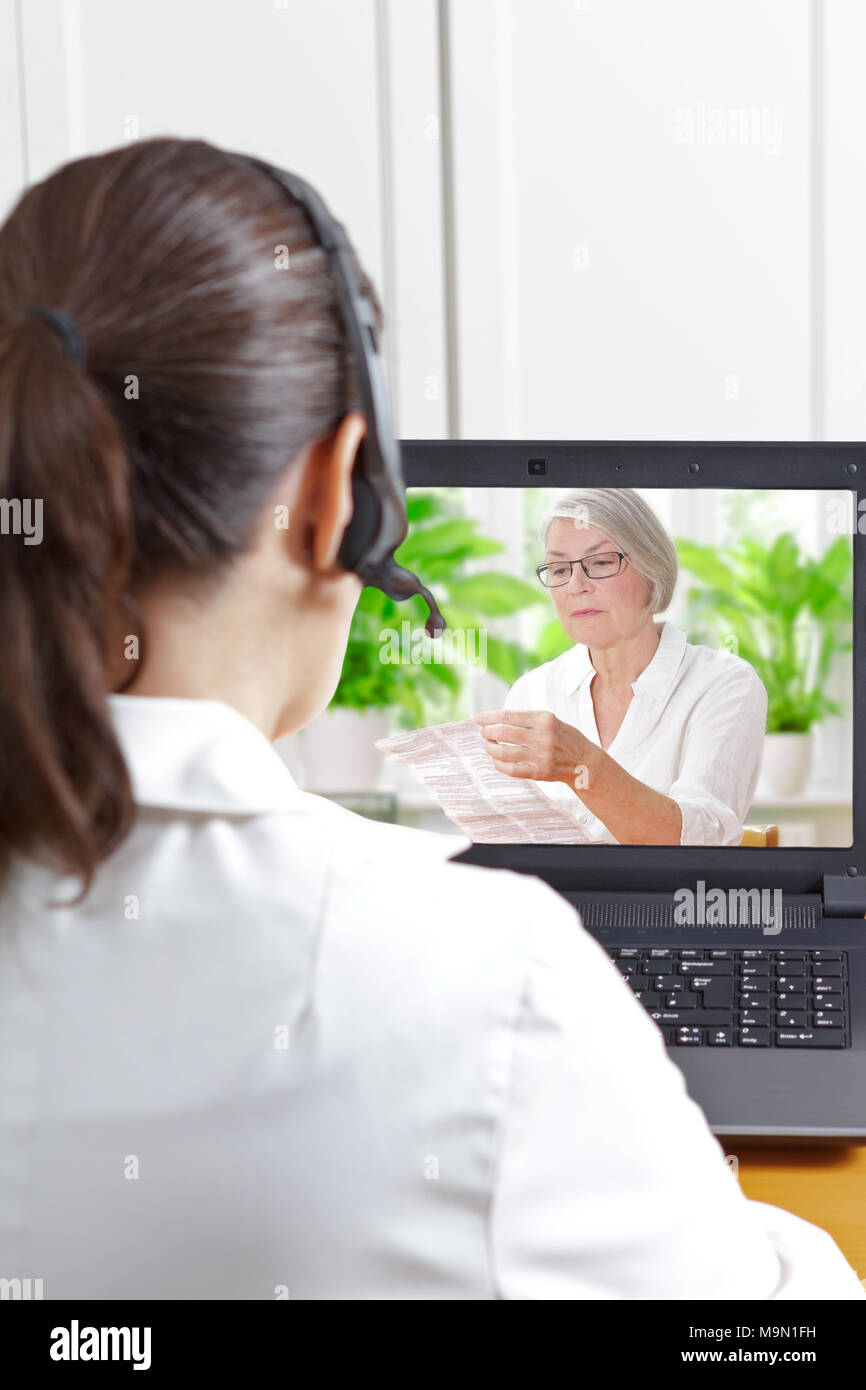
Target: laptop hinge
<point x="844" y="896"/>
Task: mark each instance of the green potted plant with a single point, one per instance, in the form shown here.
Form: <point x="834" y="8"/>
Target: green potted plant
<point x="789" y="616"/>
<point x="377" y="692"/>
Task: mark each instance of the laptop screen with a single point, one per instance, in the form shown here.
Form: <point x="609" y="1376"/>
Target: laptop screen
<point x="630" y="666"/>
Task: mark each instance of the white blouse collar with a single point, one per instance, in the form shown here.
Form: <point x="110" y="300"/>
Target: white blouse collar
<point x="201" y="755"/>
<point x="655" y="680"/>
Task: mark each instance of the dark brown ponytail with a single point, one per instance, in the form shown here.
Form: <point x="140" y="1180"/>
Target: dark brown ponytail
<point x="208" y="370"/>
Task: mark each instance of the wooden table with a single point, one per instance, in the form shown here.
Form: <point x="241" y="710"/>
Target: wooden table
<point x="823" y="1184"/>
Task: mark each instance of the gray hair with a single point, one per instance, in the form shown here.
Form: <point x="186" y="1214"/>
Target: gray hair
<point x="632" y="526"/>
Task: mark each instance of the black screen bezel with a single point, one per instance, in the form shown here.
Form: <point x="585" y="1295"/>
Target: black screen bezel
<point x="659" y="464"/>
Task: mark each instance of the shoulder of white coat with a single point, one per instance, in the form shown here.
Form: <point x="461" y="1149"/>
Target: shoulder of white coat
<point x="408" y="878"/>
<point x="473" y="938"/>
<point x="360" y="840"/>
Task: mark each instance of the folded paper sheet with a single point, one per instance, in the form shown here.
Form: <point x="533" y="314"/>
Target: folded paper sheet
<point x="452" y="762"/>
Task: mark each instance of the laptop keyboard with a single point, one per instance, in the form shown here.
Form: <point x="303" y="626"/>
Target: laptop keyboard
<point x="741" y="997"/>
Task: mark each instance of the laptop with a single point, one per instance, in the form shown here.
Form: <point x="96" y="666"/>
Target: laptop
<point x="750" y="953"/>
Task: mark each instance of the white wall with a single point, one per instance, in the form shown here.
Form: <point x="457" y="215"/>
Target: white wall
<point x="560" y="254"/>
<point x="634" y="276"/>
<point x="842" y="224"/>
<point x="344" y="92"/>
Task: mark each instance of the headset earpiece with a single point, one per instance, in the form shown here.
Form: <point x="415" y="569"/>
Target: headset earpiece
<point x="365" y="524"/>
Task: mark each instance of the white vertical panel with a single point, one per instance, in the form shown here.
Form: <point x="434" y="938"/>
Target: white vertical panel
<point x="12" y="165"/>
<point x="53" y="83"/>
<point x="845" y="219"/>
<point x="623" y="270"/>
<point x="410" y="87"/>
<point x="345" y="92"/>
<point x="43" y="86"/>
<point x="294" y="82"/>
<point x="483" y="157"/>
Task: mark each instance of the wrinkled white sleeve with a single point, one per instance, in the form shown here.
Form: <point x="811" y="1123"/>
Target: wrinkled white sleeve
<point x="610" y="1184"/>
<point x="721" y="760"/>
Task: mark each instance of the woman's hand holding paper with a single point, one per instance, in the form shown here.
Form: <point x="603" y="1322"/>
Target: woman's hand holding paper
<point x="535" y="744"/>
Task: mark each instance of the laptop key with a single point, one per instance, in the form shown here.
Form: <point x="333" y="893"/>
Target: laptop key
<point x="706" y="1018"/>
<point x="755" y="1001"/>
<point x="754" y="1037"/>
<point x="755" y="1018"/>
<point x="716" y="994"/>
<point x="822" y="1020"/>
<point x="719" y="1037"/>
<point x="810" y="1038"/>
<point x="787" y="1000"/>
<point x="825" y="955"/>
<point x="786" y="1019"/>
<point x="688" y="1037"/>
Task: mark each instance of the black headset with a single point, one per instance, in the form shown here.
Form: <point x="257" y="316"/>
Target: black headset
<point x="378" y="524"/>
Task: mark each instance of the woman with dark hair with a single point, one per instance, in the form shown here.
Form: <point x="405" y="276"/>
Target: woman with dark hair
<point x="252" y="1045"/>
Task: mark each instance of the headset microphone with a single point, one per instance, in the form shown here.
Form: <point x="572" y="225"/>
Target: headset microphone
<point x="378" y="524"/>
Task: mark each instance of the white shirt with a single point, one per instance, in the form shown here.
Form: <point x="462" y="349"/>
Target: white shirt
<point x="282" y="1049"/>
<point x="694" y="730"/>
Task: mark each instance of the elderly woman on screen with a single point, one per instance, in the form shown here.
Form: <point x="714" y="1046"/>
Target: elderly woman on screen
<point x="645" y="737"/>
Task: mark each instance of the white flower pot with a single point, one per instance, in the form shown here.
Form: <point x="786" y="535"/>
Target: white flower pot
<point x="338" y="751"/>
<point x="787" y="763"/>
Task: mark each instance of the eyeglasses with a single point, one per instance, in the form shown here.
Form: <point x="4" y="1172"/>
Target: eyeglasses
<point x="605" y="565"/>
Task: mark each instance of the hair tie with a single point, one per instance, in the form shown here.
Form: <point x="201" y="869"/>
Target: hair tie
<point x="66" y="329"/>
